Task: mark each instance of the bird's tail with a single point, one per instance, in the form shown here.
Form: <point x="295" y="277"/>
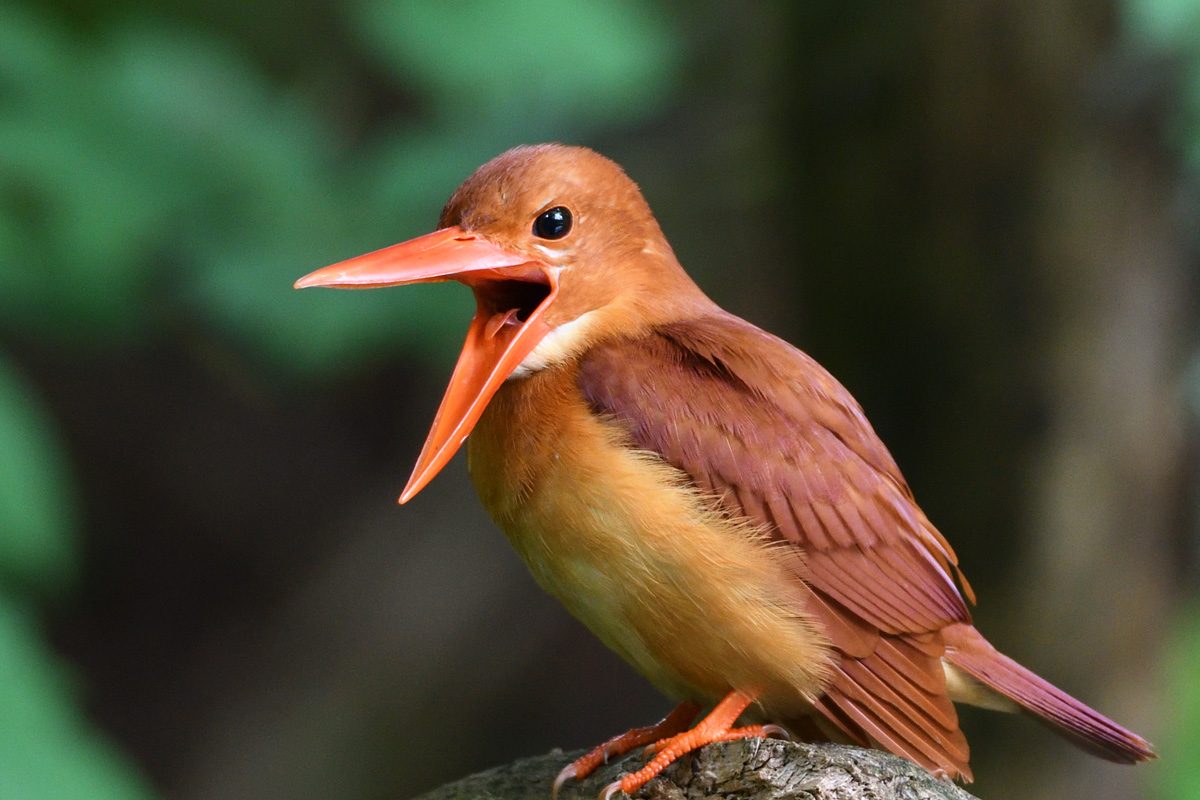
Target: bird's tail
<point x="970" y="652"/>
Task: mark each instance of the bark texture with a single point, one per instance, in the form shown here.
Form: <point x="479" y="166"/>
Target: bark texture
<point x="758" y="769"/>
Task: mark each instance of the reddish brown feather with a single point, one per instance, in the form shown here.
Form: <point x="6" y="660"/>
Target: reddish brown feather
<point x="926" y="722"/>
<point x="754" y="420"/>
<point x="896" y="700"/>
<point x="766" y="429"/>
<point x="768" y="432"/>
<point x="769" y="436"/>
<point x="852" y="636"/>
<point x="872" y="700"/>
<point x="1088" y="729"/>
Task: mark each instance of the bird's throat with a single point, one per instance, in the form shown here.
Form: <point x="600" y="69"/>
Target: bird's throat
<point x="562" y="343"/>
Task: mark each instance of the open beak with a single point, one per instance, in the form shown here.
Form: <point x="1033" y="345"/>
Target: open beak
<point x="511" y="293"/>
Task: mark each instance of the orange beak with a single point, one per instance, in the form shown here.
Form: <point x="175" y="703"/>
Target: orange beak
<point x="511" y="293"/>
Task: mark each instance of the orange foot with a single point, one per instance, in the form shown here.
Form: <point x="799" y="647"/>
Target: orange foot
<point x="716" y="727"/>
<point x="673" y="723"/>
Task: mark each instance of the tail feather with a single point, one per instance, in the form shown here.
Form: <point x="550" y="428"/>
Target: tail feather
<point x="1088" y="729"/>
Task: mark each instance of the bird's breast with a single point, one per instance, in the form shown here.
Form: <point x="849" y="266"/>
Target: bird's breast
<point x="695" y="601"/>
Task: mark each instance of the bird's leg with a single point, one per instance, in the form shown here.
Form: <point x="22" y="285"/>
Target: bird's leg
<point x="717" y="726"/>
<point x="673" y="723"/>
<point x="756" y="732"/>
<point x="746" y="732"/>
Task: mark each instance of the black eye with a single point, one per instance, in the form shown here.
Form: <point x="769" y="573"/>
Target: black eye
<point x="553" y="224"/>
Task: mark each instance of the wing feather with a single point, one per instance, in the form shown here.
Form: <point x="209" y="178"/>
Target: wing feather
<point x="773" y="437"/>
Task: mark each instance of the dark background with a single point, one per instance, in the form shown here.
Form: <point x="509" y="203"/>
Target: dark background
<point x="982" y="217"/>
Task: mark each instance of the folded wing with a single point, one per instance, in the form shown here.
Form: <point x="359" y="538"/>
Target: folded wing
<point x="772" y="436"/>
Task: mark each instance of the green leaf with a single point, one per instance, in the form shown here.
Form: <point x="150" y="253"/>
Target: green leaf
<point x="1165" y="23"/>
<point x="1172" y="28"/>
<point x="37" y="502"/>
<point x="47" y="751"/>
<point x="1180" y="772"/>
<point x="589" y="60"/>
<point x="157" y="178"/>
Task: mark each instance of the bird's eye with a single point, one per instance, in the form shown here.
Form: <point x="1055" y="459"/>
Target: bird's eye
<point x="553" y="224"/>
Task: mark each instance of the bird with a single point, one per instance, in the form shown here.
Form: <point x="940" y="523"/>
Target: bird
<point x="703" y="496"/>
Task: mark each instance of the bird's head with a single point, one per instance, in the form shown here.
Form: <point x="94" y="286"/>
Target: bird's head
<point x="560" y="250"/>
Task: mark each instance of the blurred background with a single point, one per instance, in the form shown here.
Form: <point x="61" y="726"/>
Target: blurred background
<point x="983" y="217"/>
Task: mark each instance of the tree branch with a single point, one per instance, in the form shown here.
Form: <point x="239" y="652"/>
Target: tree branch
<point x="751" y="769"/>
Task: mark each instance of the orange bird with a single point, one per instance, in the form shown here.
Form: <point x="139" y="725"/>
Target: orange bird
<point x="705" y="497"/>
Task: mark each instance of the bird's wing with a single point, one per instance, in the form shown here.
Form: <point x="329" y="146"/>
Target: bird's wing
<point x="765" y="429"/>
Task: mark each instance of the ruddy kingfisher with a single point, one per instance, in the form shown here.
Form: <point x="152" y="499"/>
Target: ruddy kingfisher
<point x="702" y="495"/>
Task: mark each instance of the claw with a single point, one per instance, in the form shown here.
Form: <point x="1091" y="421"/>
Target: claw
<point x="776" y="732"/>
<point x="564" y="775"/>
<point x="608" y="791"/>
<point x="671" y="739"/>
<point x="668" y="726"/>
<point x="717" y="726"/>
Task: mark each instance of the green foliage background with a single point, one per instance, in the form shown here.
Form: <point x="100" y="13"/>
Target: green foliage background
<point x="167" y="173"/>
<point x="1172" y="29"/>
<point x="152" y="176"/>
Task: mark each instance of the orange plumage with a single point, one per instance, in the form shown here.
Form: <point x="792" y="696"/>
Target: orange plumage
<point x="706" y="498"/>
